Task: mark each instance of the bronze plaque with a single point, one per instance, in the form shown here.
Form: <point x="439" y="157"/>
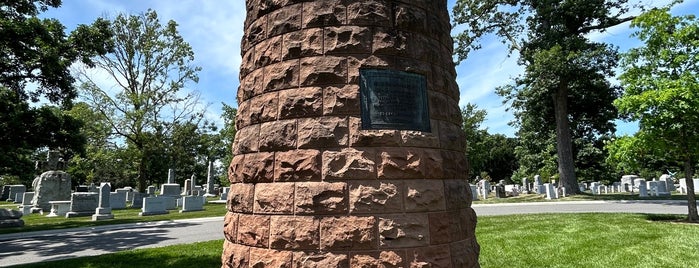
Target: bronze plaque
<point x="393" y="100"/>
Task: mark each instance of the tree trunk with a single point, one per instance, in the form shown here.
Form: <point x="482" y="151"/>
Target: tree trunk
<point x="142" y="173"/>
<point x="564" y="145"/>
<point x="691" y="198"/>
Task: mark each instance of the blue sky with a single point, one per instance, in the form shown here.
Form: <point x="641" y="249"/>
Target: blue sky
<point x="214" y="29"/>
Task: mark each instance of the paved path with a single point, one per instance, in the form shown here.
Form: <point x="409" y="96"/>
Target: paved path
<point x="41" y="246"/>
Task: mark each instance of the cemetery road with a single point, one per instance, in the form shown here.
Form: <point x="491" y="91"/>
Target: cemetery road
<point x="31" y="247"/>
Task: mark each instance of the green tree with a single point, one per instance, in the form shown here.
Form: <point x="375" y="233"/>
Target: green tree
<point x="565" y="77"/>
<point x="38" y="52"/>
<point x="471" y="125"/>
<point x="227" y="134"/>
<point x="149" y="68"/>
<point x="661" y="81"/>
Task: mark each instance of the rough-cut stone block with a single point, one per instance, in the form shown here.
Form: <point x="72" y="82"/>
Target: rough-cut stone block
<point x="241" y="197"/>
<point x="270" y="258"/>
<point x="390" y="43"/>
<point x="441" y="106"/>
<point x="432" y="257"/>
<point x="230" y="226"/>
<point x="341" y="100"/>
<point x="320" y="259"/>
<point x="246" y="140"/>
<point x="316" y="71"/>
<point x="295" y="232"/>
<point x="400" y="163"/>
<point x="258" y="167"/>
<point x="251" y="85"/>
<point x="432" y="164"/>
<point x="465" y="253"/>
<point x="424" y="195"/>
<point x="304" y="43"/>
<point x="384" y="259"/>
<point x="404" y="230"/>
<point x="253" y="230"/>
<point x="321" y="198"/>
<point x="323" y="13"/>
<point x="373" y="138"/>
<point x="274" y="198"/>
<point x="281" y="75"/>
<point x="287" y="19"/>
<point x="278" y="135"/>
<point x="323" y="132"/>
<point x="268" y="52"/>
<point x="234" y="255"/>
<point x="254" y="34"/>
<point x="467" y="221"/>
<point x="376" y="196"/>
<point x="235" y="168"/>
<point x="445" y="228"/>
<point x="455" y="165"/>
<point x="301" y="102"/>
<point x="370" y="12"/>
<point x="357" y="62"/>
<point x="457" y="194"/>
<point x="347" y="39"/>
<point x="297" y="165"/>
<point x="348" y="233"/>
<point x="262" y="108"/>
<point x="410" y="17"/>
<point x="349" y="164"/>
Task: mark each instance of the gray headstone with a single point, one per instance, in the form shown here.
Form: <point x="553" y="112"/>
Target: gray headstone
<point x="209" y="180"/>
<point x="170" y="189"/>
<point x="117" y="200"/>
<point x="104" y="208"/>
<point x="82" y="204"/>
<point x="192" y="203"/>
<point x="170" y="176"/>
<point x="51" y="186"/>
<point x="154" y="206"/>
<point x="187" y="187"/>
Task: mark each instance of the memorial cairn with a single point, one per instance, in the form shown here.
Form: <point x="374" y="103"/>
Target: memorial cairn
<point x="349" y="150"/>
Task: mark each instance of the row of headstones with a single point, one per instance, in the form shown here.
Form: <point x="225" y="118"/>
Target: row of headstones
<point x="632" y="183"/>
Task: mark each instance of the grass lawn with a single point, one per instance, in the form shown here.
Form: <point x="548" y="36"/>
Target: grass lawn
<point x="533" y="240"/>
<point x="37" y="222"/>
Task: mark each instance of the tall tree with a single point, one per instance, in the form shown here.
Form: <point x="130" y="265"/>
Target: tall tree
<point x="227" y="134"/>
<point x="150" y="67"/>
<point x="38" y="52"/>
<point x="565" y="78"/>
<point x="661" y="81"/>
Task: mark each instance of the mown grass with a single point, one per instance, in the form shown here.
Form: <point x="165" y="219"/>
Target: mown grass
<point x="532" y="240"/>
<point x="38" y="222"/>
<point x="522" y="198"/>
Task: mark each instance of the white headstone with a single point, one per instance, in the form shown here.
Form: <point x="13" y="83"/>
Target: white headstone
<point x="170" y="176"/>
<point x="104" y="208"/>
<point x="474" y="192"/>
<point x="154" y="206"/>
<point x="192" y="203"/>
<point x="59" y="208"/>
<point x="82" y="204"/>
<point x="550" y="191"/>
<point x="209" y="187"/>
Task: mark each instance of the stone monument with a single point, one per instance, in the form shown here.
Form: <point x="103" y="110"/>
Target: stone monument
<point x="104" y="208"/>
<point x="210" y="181"/>
<point x="52" y="185"/>
<point x="349" y="150"/>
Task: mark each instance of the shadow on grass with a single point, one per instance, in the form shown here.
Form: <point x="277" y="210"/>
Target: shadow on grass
<point x="670" y="218"/>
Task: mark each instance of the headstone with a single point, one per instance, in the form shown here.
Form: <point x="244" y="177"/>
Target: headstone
<point x="169" y="201"/>
<point x="13" y="190"/>
<point x="669" y="182"/>
<point x="82" y="204"/>
<point x="150" y="190"/>
<point x="10" y="218"/>
<point x="627" y="182"/>
<point x="92" y="188"/>
<point x="485" y="189"/>
<point x="346" y="141"/>
<point x="512" y="190"/>
<point x="582" y="187"/>
<point x="81" y="189"/>
<point x="652" y="188"/>
<point x="19" y="197"/>
<point x="104" y="208"/>
<point x="595" y="187"/>
<point x="26" y="206"/>
<point x="683" y="186"/>
<point x="525" y="185"/>
<point x="538" y="186"/>
<point x="550" y="191"/>
<point x="198" y="191"/>
<point x="5" y="192"/>
<point x="187" y="187"/>
<point x="154" y="206"/>
<point x="170" y="176"/>
<point x="138" y="199"/>
<point x="224" y="193"/>
<point x="170" y="190"/>
<point x="474" y="192"/>
<point x="662" y="188"/>
<point x="642" y="190"/>
<point x="500" y="191"/>
<point x="537" y="180"/>
<point x="59" y="208"/>
<point x="50" y="186"/>
<point x="192" y="203"/>
<point x="209" y="186"/>
<point x="117" y="200"/>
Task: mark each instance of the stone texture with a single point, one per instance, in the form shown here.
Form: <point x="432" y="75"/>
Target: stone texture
<point x="300" y="102"/>
<point x="375" y="197"/>
<point x="320" y="259"/>
<point x="268" y="52"/>
<point x="403" y="231"/>
<point x="253" y="230"/>
<point x="274" y="198"/>
<point x="241" y="197"/>
<point x="400" y="163"/>
<point x="251" y="84"/>
<point x="258" y="167"/>
<point x="297" y="165"/>
<point x="374" y="138"/>
<point x="270" y="258"/>
<point x="349" y="164"/>
<point x="385" y="259"/>
<point x="325" y="70"/>
<point x="234" y="255"/>
<point x="321" y="198"/>
<point x="230" y="226"/>
<point x="457" y="194"/>
<point x="347" y="39"/>
<point x="348" y="233"/>
<point x="247" y="140"/>
<point x="285" y="20"/>
<point x="430" y="257"/>
<point x="295" y="232"/>
<point x="282" y="75"/>
<point x="323" y="13"/>
<point x="445" y="228"/>
<point x="262" y="108"/>
<point x="424" y="195"/>
<point x="303" y="44"/>
<point x="341" y="100"/>
<point x="373" y="12"/>
<point x="322" y="132"/>
<point x="278" y="135"/>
